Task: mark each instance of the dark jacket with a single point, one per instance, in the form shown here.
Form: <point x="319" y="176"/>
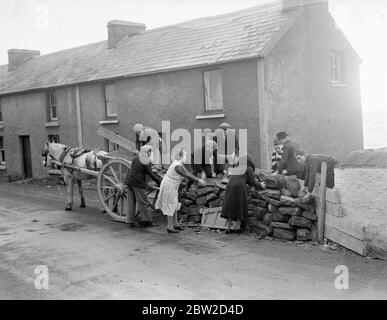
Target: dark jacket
<point x="137" y="176"/>
<point x="289" y="161"/>
<point x="313" y="166"/>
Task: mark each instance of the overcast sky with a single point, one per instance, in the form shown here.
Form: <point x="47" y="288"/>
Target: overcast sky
<point x="52" y="25"/>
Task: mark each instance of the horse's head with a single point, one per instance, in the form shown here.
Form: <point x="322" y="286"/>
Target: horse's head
<point x="45" y="154"/>
<point x="52" y="151"/>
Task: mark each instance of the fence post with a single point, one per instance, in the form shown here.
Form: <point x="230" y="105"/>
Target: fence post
<point x="322" y="205"/>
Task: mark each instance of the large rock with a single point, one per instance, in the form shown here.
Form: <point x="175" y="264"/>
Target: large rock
<point x="253" y="222"/>
<point x="261" y="210"/>
<point x="211" y="196"/>
<point x="188" y="195"/>
<point x="281" y="225"/>
<point x="268" y="219"/>
<point x="279" y="217"/>
<point x="259" y="203"/>
<point x="286" y="192"/>
<point x="195" y="219"/>
<point x="273" y="209"/>
<point x="273" y="202"/>
<point x="292" y="211"/>
<point x="289" y="201"/>
<point x="301" y="222"/>
<point x="215" y="203"/>
<point x="264" y="229"/>
<point x="308" y="207"/>
<point x="270" y="193"/>
<point x="310" y="216"/>
<point x="186" y="202"/>
<point x="304" y="235"/>
<point x="204" y="191"/>
<point x="257" y="214"/>
<point x="201" y="200"/>
<point x="287" y="235"/>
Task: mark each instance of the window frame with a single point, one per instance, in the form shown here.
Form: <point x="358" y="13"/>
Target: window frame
<point x="2" y="152"/>
<point x="338" y="63"/>
<point x="50" y="106"/>
<point x="207" y="91"/>
<point x="107" y="115"/>
<point x="51" y="138"/>
<point x="111" y="146"/>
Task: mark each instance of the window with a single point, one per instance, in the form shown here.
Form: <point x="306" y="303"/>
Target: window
<point x="338" y="67"/>
<point x="110" y="101"/>
<point x="52" y="106"/>
<point x="53" y="138"/>
<point x="111" y="147"/>
<point x="2" y="152"/>
<point x="213" y="90"/>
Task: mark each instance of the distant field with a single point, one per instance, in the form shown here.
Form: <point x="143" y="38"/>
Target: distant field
<point x="375" y="129"/>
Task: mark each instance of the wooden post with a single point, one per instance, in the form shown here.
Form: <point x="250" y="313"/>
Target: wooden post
<point x="321" y="208"/>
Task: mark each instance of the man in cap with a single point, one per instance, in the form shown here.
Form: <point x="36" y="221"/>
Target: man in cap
<point x="136" y="182"/>
<point x="288" y="165"/>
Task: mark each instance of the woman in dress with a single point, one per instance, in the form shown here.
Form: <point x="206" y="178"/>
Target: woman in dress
<point x="235" y="206"/>
<point x="167" y="200"/>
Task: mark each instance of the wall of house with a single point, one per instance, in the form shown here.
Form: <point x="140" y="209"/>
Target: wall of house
<point x="25" y="115"/>
<point x="302" y="100"/>
<point x="177" y="97"/>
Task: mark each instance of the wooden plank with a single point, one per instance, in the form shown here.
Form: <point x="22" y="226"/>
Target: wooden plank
<point x="331" y="195"/>
<point x="322" y="205"/>
<point x="346" y="226"/>
<point x="211" y="218"/>
<point x="81" y="170"/>
<point x="117" y="139"/>
<point x="334" y="209"/>
<point x="346" y="240"/>
<point x="346" y="233"/>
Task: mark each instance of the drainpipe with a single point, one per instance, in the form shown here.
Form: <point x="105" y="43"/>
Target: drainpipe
<point x="264" y="116"/>
<point x="79" y="118"/>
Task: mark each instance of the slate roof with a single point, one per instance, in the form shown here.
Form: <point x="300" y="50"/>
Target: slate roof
<point x="234" y="36"/>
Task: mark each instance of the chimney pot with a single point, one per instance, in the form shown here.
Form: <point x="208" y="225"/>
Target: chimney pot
<point x="17" y="57"/>
<point x="118" y="29"/>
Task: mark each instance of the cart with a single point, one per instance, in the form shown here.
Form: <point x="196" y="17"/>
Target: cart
<point x="111" y="187"/>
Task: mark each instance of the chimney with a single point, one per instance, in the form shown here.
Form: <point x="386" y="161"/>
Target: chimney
<point x="117" y="30"/>
<point x="288" y="5"/>
<point x="16" y="57"/>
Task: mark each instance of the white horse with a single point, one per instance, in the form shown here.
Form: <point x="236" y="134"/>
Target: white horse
<point x="77" y="158"/>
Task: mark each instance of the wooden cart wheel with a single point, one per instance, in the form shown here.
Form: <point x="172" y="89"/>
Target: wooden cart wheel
<point x="112" y="191"/>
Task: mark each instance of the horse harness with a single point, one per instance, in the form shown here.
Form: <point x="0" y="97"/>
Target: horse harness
<point x="74" y="154"/>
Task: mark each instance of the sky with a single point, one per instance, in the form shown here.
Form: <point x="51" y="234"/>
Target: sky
<point x="52" y="25"/>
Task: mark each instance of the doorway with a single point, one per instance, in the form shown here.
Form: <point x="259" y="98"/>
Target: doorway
<point x="26" y="156"/>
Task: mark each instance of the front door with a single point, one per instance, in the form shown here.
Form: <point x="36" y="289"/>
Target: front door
<point x="26" y="156"/>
